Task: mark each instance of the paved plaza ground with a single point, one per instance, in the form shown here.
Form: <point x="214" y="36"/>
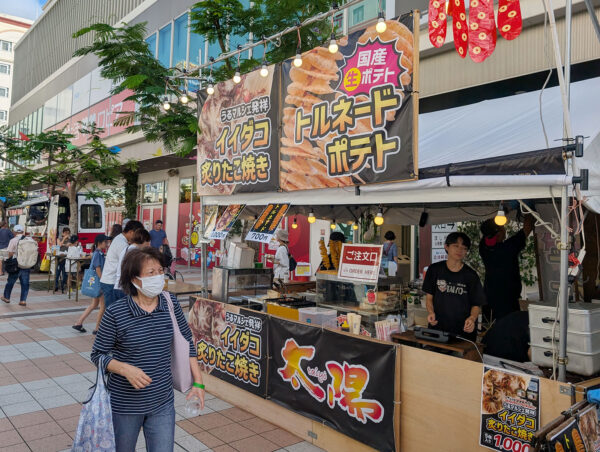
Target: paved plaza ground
<point x="45" y="373"/>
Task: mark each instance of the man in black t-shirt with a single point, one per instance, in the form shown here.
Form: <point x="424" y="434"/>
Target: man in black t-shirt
<point x="502" y="284"/>
<point x="454" y="292"/>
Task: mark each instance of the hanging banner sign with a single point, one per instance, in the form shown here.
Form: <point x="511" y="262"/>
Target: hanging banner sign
<point x="264" y="228"/>
<point x="510" y="410"/>
<point x="226" y="221"/>
<point x="360" y="263"/>
<point x="237" y="142"/>
<point x="231" y="343"/>
<point x="349" y="117"/>
<point x="344" y="382"/>
<point x="340" y="119"/>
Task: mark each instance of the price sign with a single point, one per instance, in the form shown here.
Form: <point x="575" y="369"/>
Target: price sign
<point x="226" y="221"/>
<point x="265" y="226"/>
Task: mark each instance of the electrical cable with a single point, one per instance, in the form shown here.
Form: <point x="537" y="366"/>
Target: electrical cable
<point x="474" y="344"/>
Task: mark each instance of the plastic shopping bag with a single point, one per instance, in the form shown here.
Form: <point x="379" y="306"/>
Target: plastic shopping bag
<point x="95" y="430"/>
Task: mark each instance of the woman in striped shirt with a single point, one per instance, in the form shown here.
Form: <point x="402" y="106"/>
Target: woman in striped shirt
<point x="135" y="339"/>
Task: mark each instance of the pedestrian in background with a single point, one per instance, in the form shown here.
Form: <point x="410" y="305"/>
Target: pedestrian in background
<point x="134" y="346"/>
<point x="61" y="272"/>
<point x="109" y="273"/>
<point x="22" y="274"/>
<point x="96" y="264"/>
<point x="158" y="235"/>
<point x="140" y="239"/>
<point x="5" y="237"/>
<point x="115" y="230"/>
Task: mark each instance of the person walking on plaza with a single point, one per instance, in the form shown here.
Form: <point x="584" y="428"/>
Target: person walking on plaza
<point x="115" y="230"/>
<point x="5" y="237"/>
<point x="109" y="272"/>
<point x="140" y="239"/>
<point x="158" y="237"/>
<point x="28" y="257"/>
<point x="502" y="283"/>
<point x="96" y="264"/>
<point x="133" y="345"/>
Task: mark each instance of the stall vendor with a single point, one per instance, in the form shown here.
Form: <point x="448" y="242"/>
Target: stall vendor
<point x="281" y="260"/>
<point x="454" y="292"/>
<point x="502" y="283"/>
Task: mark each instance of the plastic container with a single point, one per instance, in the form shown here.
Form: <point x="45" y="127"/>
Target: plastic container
<point x="580" y="363"/>
<point x="583" y="317"/>
<point x="576" y="342"/>
<point x="317" y="316"/>
<point x="192" y="406"/>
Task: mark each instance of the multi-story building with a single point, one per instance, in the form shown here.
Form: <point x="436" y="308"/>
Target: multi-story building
<point x="11" y="30"/>
<point x="52" y="89"/>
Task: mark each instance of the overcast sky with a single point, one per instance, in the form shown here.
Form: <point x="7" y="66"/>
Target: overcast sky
<point x="29" y="9"/>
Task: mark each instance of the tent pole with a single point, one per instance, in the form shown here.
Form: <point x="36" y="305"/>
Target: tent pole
<point x="563" y="289"/>
<point x="203" y="250"/>
<point x="413" y="252"/>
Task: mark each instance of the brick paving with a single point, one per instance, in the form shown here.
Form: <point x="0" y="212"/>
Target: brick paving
<point x="45" y="373"/>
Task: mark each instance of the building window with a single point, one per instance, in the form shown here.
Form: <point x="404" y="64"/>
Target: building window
<point x="4" y="68"/>
<point x="180" y="34"/>
<point x="164" y="46"/>
<point x="3" y="91"/>
<point x="6" y="46"/>
<point x="91" y="216"/>
<point x="153" y="193"/>
<point x="358" y="15"/>
<point x="3" y="115"/>
<point x="151" y="41"/>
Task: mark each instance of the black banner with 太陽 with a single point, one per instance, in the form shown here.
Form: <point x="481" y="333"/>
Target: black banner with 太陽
<point x="345" y="382"/>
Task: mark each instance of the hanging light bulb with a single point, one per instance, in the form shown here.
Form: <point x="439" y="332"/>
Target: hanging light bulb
<point x="166" y="104"/>
<point x="332" y="226"/>
<point x="294" y="224"/>
<point x="311" y="217"/>
<point x="378" y="220"/>
<point x="333" y="47"/>
<point x="298" y="60"/>
<point x="237" y="78"/>
<point x="264" y="70"/>
<point x="381" y="25"/>
<point x="184" y="99"/>
<point x="211" y="89"/>
<point x="355" y="226"/>
<point x="500" y="218"/>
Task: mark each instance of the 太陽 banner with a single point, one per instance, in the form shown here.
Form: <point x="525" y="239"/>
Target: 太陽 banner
<point x="340" y="119"/>
<point x="348" y="118"/>
<point x="344" y="382"/>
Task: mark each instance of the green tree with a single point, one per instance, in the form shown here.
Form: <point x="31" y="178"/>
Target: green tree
<point x="67" y="168"/>
<point x="12" y="190"/>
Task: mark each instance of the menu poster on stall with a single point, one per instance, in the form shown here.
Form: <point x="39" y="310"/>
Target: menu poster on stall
<point x="237" y="142"/>
<point x="344" y="382"/>
<point x="567" y="438"/>
<point x="360" y="263"/>
<point x="510" y="410"/>
<point x="349" y="117"/>
<point x="226" y="221"/>
<point x="589" y="428"/>
<point x="439" y="232"/>
<point x="231" y="343"/>
<point x="211" y="214"/>
<point x="265" y="226"/>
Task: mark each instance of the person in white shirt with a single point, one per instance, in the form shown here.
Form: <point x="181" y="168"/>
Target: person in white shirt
<point x="22" y="274"/>
<point x="74" y="252"/>
<point x="141" y="238"/>
<point x="109" y="273"/>
<point x="281" y="260"/>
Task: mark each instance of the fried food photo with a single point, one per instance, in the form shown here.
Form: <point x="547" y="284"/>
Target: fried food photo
<point x="497" y="386"/>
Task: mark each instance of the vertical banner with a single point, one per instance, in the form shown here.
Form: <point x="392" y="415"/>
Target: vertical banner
<point x="231" y="343"/>
<point x="349" y="117"/>
<point x="265" y="226"/>
<point x="226" y="221"/>
<point x="237" y="143"/>
<point x="342" y="381"/>
<point x="510" y="410"/>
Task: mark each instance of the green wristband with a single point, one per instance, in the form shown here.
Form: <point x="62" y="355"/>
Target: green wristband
<point x="198" y="385"/>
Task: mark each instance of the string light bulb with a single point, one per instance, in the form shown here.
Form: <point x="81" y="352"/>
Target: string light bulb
<point x="500" y="218"/>
<point x="298" y="60"/>
<point x="264" y="70"/>
<point x="333" y="225"/>
<point x="311" y="217"/>
<point x="295" y="224"/>
<point x="333" y="47"/>
<point x="378" y="220"/>
<point x="237" y="78"/>
<point x="355" y="226"/>
<point x="184" y="99"/>
<point x="381" y="25"/>
<point x="166" y="104"/>
<point x="211" y="89"/>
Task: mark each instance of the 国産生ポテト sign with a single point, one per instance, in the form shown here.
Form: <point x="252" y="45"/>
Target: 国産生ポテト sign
<point x="340" y="119"/>
<point x="360" y="262"/>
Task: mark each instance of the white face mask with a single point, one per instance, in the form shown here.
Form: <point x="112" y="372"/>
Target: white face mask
<point x="152" y="286"/>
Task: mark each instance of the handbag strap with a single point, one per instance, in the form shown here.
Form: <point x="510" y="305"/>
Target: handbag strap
<point x="167" y="296"/>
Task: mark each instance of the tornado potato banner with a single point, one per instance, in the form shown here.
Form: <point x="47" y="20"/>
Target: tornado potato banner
<point x="340" y="119"/>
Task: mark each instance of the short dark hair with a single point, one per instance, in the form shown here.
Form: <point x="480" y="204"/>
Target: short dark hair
<point x="132" y="266"/>
<point x="158" y="222"/>
<point x="453" y="238"/>
<point x="116" y="230"/>
<point x="337" y="236"/>
<point x="140" y="236"/>
<point x="389" y="235"/>
<point x="489" y="228"/>
<point x="74" y="238"/>
<point x="133" y="225"/>
<point x="66" y="228"/>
